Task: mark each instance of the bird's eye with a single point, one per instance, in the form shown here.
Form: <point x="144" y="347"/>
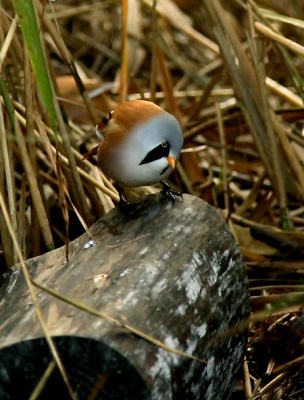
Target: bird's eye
<point x="164" y="143"/>
<point x="107" y="119"/>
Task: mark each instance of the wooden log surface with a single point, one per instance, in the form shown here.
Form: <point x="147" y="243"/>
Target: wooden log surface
<point x="171" y="270"/>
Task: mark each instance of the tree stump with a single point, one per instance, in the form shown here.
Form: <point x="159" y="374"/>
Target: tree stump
<point x="171" y="270"/>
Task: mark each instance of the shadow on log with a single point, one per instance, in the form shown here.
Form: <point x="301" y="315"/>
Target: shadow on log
<point x="171" y="270"/>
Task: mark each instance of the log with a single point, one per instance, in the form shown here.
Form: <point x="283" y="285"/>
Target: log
<point x="171" y="270"/>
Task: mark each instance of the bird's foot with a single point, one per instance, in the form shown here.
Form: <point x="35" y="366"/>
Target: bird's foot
<point x="169" y="192"/>
<point x="126" y="207"/>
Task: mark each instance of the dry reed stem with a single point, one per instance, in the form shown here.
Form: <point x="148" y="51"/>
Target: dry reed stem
<point x="184" y="65"/>
<point x="291" y="364"/>
<point x="166" y="84"/>
<point x="243" y="77"/>
<point x="256" y="387"/>
<point x="51" y="150"/>
<point x="196" y="149"/>
<point x="5" y="237"/>
<point x="178" y="19"/>
<point x="270" y="34"/>
<point x="200" y="103"/>
<point x="254" y="193"/>
<point x="29" y="90"/>
<point x="41" y="384"/>
<point x="34" y="298"/>
<point x="284" y="92"/>
<point x="123" y="91"/>
<point x="8" y="40"/>
<point x="182" y="94"/>
<point x="106" y="201"/>
<point x="8" y="172"/>
<point x="224" y="156"/>
<point x="78" y="10"/>
<point x="15" y="45"/>
<point x="186" y="181"/>
<point x="80" y="194"/>
<point x="250" y="111"/>
<point x="271" y="385"/>
<point x="290" y="154"/>
<point x="153" y="53"/>
<point x="278" y="287"/>
<point x="246" y="85"/>
<point x="90" y="179"/>
<point x="98" y="46"/>
<point x="35" y="193"/>
<point x="21" y="218"/>
<point x="244" y="65"/>
<point x="247" y="384"/>
<point x="292" y="70"/>
<point x="278" y="180"/>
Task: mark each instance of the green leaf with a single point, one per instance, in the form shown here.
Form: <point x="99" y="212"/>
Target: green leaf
<point x="283" y="18"/>
<point x="29" y="26"/>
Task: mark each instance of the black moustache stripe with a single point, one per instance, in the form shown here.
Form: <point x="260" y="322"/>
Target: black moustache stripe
<point x="155" y="154"/>
<point x="164" y="170"/>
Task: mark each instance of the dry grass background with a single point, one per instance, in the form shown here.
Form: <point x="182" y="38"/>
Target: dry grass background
<point x="233" y="78"/>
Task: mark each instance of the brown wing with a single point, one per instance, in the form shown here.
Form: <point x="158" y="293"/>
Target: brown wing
<point x="91" y="153"/>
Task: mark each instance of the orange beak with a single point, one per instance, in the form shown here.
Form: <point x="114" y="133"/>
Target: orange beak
<point x="171" y="161"/>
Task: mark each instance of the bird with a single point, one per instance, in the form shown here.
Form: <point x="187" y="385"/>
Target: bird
<point x="140" y="144"/>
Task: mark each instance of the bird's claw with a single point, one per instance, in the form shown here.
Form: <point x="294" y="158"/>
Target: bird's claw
<point x="123" y="205"/>
<point x="126" y="207"/>
<point x="169" y="192"/>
